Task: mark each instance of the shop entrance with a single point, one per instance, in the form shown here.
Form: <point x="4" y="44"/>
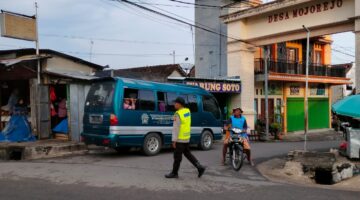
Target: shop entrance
<point x="271" y="110"/>
<point x="58" y="110"/>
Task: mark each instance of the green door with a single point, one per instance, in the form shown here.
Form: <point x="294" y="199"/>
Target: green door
<point x="318" y="113"/>
<point x="295" y="114"/>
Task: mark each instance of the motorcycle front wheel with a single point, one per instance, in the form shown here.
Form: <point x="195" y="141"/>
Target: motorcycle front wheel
<point x="237" y="158"/>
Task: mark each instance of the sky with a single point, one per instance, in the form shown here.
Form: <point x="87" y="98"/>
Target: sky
<point x="122" y="36"/>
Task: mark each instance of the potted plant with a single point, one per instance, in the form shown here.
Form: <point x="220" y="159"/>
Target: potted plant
<point x="275" y="129"/>
<point x="260" y="129"/>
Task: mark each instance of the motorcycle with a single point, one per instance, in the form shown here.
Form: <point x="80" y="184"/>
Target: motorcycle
<point x="236" y="149"/>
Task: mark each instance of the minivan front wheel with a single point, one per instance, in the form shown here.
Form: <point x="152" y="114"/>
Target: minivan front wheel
<point x="152" y="144"/>
<point x="206" y="140"/>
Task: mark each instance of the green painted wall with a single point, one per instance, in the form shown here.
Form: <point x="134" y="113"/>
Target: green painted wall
<point x="318" y="113"/>
<point x="295" y="114"/>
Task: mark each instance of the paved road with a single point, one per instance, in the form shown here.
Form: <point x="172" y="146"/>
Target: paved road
<point x="108" y="175"/>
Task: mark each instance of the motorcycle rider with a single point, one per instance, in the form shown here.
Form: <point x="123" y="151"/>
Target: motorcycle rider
<point x="237" y="120"/>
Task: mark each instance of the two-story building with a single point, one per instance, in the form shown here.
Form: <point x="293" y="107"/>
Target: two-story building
<point x="287" y="67"/>
<point x="278" y="26"/>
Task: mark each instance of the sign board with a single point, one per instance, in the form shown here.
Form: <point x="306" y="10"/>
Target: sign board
<point x="295" y="90"/>
<point x="18" y="26"/>
<point x="217" y="87"/>
<point x="283" y="20"/>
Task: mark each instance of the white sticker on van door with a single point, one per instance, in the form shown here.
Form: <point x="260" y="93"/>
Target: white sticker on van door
<point x="162" y="119"/>
<point x="145" y="118"/>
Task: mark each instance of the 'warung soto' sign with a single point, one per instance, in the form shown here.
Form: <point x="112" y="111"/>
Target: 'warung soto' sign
<point x="308" y="10"/>
<point x="218" y="87"/>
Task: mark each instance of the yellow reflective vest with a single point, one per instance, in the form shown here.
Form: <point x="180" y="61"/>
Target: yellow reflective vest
<point x="185" y="123"/>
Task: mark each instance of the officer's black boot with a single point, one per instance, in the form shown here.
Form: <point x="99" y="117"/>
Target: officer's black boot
<point x="172" y="175"/>
<point x="201" y="169"/>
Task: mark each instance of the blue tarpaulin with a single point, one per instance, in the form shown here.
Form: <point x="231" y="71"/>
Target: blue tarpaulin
<point x="17" y="129"/>
<point x="62" y="127"/>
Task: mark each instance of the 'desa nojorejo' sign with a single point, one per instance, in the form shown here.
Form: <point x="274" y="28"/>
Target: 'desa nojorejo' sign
<point x="217" y="87"/>
<point x="306" y="10"/>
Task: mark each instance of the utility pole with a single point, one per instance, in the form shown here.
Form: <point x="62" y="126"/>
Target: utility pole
<point x="306" y="101"/>
<point x="266" y="93"/>
<point x="91" y="49"/>
<point x="37" y="45"/>
<point x="173" y="54"/>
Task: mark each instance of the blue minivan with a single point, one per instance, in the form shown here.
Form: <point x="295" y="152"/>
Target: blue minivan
<point x="123" y="113"/>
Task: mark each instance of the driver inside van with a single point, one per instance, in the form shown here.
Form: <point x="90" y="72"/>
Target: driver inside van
<point x="129" y="104"/>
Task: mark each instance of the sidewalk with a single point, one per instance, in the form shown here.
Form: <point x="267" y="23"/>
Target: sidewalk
<point x="40" y="149"/>
<point x="281" y="170"/>
<point x="313" y="135"/>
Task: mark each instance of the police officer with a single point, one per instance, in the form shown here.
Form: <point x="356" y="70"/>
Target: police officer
<point x="181" y="138"/>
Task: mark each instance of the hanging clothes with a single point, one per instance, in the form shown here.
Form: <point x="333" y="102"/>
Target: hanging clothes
<point x="52" y="110"/>
<point x="18" y="128"/>
<point x="52" y="94"/>
<point x="62" y="111"/>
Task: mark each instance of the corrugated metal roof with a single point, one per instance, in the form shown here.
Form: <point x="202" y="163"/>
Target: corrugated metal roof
<point x="13" y="61"/>
<point x="31" y="52"/>
<point x="71" y="74"/>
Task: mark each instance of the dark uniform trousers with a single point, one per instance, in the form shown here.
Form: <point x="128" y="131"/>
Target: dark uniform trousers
<point x="183" y="148"/>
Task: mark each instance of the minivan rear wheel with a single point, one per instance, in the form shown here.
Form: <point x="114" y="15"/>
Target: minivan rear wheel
<point x="152" y="144"/>
<point x="206" y="140"/>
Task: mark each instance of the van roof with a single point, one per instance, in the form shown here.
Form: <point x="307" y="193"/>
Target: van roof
<point x="175" y="87"/>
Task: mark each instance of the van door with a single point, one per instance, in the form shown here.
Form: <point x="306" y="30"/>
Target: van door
<point x="137" y="115"/>
<point x="98" y="108"/>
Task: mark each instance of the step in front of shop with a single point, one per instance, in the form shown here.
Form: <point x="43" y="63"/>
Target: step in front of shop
<point x="40" y="150"/>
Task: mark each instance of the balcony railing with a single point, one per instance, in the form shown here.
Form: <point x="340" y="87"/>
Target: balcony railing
<point x="278" y="66"/>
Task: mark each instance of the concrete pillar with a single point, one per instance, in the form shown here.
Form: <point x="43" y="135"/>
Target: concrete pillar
<point x="241" y="63"/>
<point x="357" y="46"/>
<point x="357" y="60"/>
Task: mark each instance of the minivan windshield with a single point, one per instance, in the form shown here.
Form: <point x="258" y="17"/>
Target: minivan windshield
<point x="101" y="95"/>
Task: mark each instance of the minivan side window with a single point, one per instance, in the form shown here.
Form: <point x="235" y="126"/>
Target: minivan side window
<point x="161" y="101"/>
<point x="130" y="99"/>
<point x="138" y="100"/>
<point x="192" y="102"/>
<point x="210" y="105"/>
<point x="170" y="98"/>
<point x="146" y="100"/>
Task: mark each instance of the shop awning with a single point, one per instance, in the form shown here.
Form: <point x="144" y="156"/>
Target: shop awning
<point x="13" y="61"/>
<point x="349" y="106"/>
<point x="70" y="74"/>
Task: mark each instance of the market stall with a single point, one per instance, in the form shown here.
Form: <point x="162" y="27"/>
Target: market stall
<point x="348" y="110"/>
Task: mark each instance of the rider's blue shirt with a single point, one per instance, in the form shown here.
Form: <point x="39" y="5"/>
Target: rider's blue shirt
<point x="240" y="123"/>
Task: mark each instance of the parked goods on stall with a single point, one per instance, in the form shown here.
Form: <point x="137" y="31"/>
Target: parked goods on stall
<point x="124" y="113"/>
